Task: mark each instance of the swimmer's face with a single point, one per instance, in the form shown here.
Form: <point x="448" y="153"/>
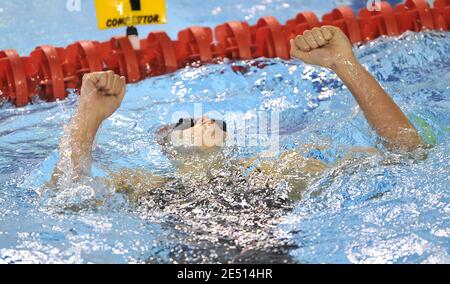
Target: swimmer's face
<point x="203" y="133"/>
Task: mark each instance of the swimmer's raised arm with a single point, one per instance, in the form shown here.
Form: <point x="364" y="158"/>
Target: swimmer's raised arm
<point x="101" y="95"/>
<point x="329" y="47"/>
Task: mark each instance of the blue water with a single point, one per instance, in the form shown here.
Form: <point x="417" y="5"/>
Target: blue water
<point x="382" y="208"/>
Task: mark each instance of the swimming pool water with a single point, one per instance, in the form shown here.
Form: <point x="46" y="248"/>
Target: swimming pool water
<point x="362" y="209"/>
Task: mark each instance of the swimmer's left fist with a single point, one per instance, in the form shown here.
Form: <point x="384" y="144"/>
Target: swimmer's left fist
<point x="101" y="94"/>
<point x="326" y="46"/>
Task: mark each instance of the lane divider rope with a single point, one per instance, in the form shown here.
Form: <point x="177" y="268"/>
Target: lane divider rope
<point x="50" y="72"/>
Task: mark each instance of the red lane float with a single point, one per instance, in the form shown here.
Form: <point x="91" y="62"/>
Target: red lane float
<point x="270" y="39"/>
<point x="379" y="23"/>
<point x="236" y="39"/>
<point x="441" y="14"/>
<point x="50" y="77"/>
<point x="49" y="71"/>
<point x="198" y="42"/>
<point x="414" y="15"/>
<point x="13" y="79"/>
<point x="121" y="57"/>
<point x="345" y="19"/>
<point x="167" y="58"/>
<point x="301" y="23"/>
<point x="84" y="57"/>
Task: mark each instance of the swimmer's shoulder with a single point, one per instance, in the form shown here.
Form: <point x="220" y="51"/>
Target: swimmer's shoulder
<point x="286" y="163"/>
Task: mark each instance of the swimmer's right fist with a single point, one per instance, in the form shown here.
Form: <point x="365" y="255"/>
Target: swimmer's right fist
<point x="101" y="94"/>
<point x="326" y="46"/>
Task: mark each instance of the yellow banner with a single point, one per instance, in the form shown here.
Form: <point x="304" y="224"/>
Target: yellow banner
<point x="124" y="13"/>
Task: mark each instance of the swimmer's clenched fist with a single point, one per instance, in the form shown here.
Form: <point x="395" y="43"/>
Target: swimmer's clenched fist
<point x="101" y="94"/>
<point x="327" y="46"/>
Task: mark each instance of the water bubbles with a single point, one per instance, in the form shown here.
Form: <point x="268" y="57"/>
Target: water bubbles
<point x="363" y="205"/>
<point x="224" y="215"/>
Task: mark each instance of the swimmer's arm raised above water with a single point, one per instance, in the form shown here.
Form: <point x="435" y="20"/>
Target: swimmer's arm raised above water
<point x="330" y="48"/>
<point x="101" y="95"/>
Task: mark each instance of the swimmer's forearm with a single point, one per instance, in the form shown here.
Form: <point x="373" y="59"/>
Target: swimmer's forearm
<point x="83" y="131"/>
<point x="80" y="139"/>
<point x="379" y="109"/>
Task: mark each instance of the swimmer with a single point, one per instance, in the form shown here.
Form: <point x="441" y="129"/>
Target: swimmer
<point x="103" y="92"/>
